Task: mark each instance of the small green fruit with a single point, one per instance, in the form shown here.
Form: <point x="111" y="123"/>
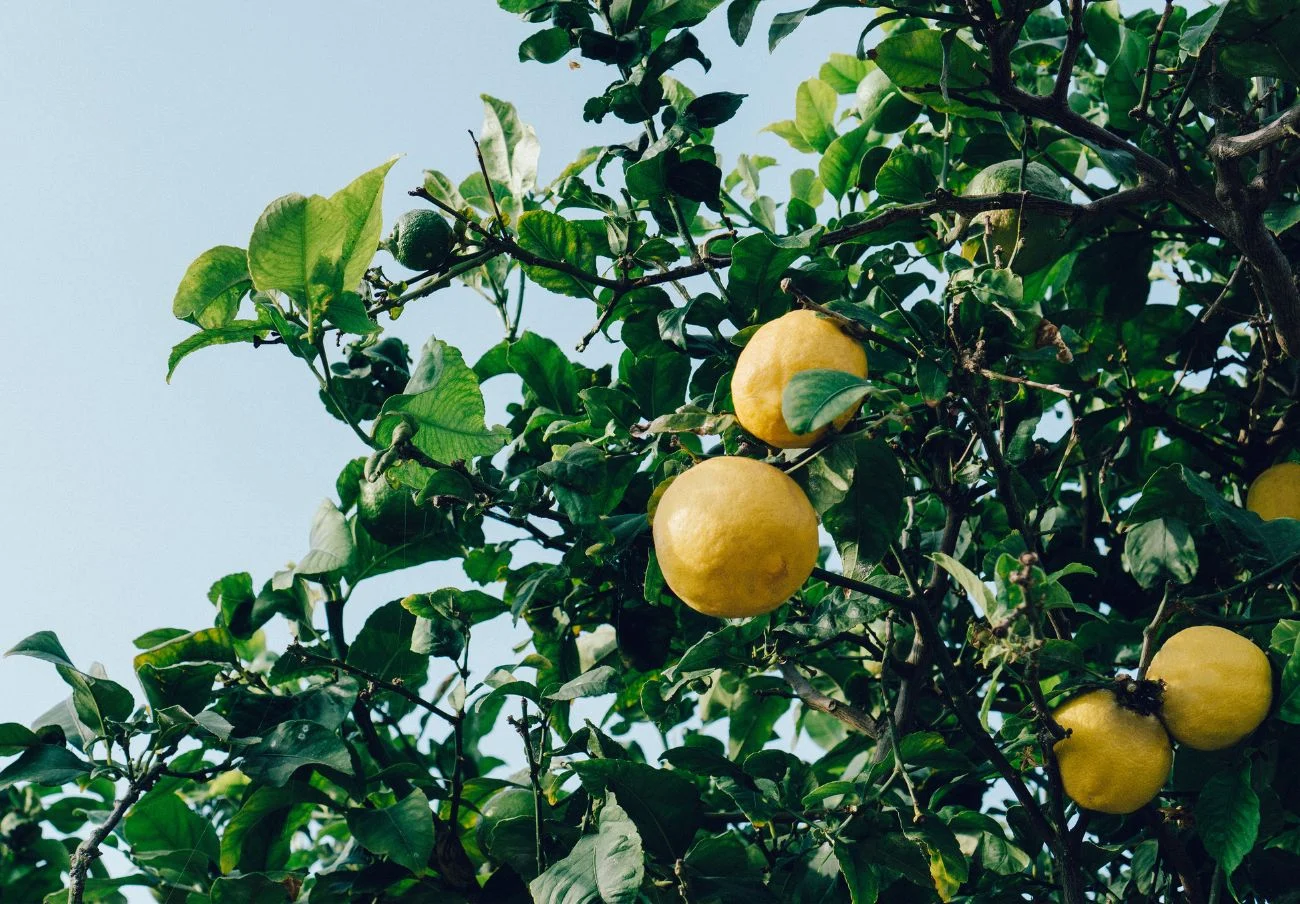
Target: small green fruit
<point x="1040" y="233"/>
<point x="420" y="240"/>
<point x="390" y="514"/>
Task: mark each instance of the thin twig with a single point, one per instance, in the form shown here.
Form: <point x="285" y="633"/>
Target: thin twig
<point x="88" y="849"/>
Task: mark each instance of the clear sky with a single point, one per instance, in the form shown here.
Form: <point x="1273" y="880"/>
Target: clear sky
<point x="136" y="136"/>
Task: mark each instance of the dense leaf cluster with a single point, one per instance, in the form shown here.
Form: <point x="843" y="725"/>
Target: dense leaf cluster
<point x="1047" y="470"/>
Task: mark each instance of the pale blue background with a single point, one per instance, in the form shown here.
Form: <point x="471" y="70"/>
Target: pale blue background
<point x="136" y="135"/>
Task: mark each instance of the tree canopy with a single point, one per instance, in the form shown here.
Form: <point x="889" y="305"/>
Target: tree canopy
<point x="1063" y="236"/>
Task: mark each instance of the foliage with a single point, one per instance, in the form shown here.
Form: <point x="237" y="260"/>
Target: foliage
<point x="1043" y="480"/>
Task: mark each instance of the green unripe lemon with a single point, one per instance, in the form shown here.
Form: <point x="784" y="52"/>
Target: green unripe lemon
<point x="389" y="513"/>
<point x="1040" y="233"/>
<point x="420" y="240"/>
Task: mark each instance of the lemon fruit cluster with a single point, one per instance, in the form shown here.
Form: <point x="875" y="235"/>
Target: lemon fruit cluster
<point x="779" y="349"/>
<point x="734" y="537"/>
<point x="1217" y="687"/>
<point x="1276" y="492"/>
<point x="420" y="240"/>
<point x="1037" y="233"/>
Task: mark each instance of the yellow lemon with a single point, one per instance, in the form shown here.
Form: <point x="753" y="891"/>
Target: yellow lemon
<point x="1218" y="686"/>
<point x="1276" y="492"/>
<point x="1115" y="760"/>
<point x="779" y="349"/>
<point x="735" y="537"/>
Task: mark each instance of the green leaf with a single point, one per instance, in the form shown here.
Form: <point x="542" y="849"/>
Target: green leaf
<point x="1103" y="23"/>
<point x="212" y="287"/>
<point x="571" y="880"/>
<point x="740" y="19"/>
<point x="859" y="873"/>
<point x="815" y="103"/>
<point x="97" y="699"/>
<point x="620" y="861"/>
<point x="15" y="738"/>
<point x="546" y="371"/>
<point x="169" y="836"/>
<point x="444" y="399"/>
<point x="868" y="518"/>
<point x="297" y="248"/>
<point x="1194" y="37"/>
<point x="712" y="110"/>
<point x="180" y="672"/>
<point x="330" y="546"/>
<point x="1286" y="642"/>
<point x="253" y="888"/>
<point x="677" y="13"/>
<point x="1227" y="817"/>
<point x="1122" y="85"/>
<point x="753" y="714"/>
<point x="42" y="645"/>
<point x="360" y="205"/>
<point x="1158" y="548"/>
<point x="235" y="331"/>
<point x="552" y="237"/>
<point x="814" y="398"/>
<point x="292" y="745"/>
<point x="906" y="176"/>
<point x="603" y="679"/>
<point x="664" y="805"/>
<point x="843" y="72"/>
<point x="403" y="832"/>
<point x="976" y="589"/>
<point x="545" y="46"/>
<point x="757" y="263"/>
<point x="913" y="60"/>
<point x="843" y="159"/>
<point x="510" y="149"/>
<point x="383" y="646"/>
<point x="608" y="866"/>
<point x="259" y="834"/>
<point x="44" y="764"/>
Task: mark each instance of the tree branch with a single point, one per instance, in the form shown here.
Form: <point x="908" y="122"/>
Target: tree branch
<point x="850" y="715"/>
<point x="88" y="850"/>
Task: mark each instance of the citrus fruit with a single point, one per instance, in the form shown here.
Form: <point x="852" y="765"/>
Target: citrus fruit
<point x="420" y="240"/>
<point x="779" y="349"/>
<point x="1276" y="492"/>
<point x="882" y="106"/>
<point x="389" y="513"/>
<point x="1039" y="232"/>
<point x="1115" y="759"/>
<point x="735" y="537"/>
<point x="1218" y="686"/>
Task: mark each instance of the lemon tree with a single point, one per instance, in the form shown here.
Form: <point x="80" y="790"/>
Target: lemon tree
<point x="912" y="517"/>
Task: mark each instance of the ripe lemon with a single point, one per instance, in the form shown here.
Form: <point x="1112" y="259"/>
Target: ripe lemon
<point x="779" y="349"/>
<point x="1040" y="233"/>
<point x="1276" y="492"/>
<point x="1218" y="686"/>
<point x="735" y="537"/>
<point x="1115" y="760"/>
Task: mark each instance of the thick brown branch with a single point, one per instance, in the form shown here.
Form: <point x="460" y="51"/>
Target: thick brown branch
<point x="1226" y="147"/>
